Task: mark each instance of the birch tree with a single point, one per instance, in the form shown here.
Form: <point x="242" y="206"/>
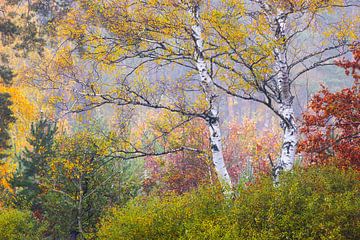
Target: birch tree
<point x="285" y="40"/>
<point x="138" y="37"/>
<point x="212" y="118"/>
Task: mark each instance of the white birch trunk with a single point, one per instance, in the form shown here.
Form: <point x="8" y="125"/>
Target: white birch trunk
<point x="288" y="124"/>
<point x="290" y="139"/>
<point x="212" y="119"/>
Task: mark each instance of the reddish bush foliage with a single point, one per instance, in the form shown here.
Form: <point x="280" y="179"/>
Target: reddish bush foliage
<point x="332" y="124"/>
<point x="182" y="171"/>
<point x="352" y="66"/>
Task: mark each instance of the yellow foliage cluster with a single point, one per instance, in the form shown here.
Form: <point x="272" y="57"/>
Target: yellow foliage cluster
<point x="346" y="29"/>
<point x="7" y="170"/>
<point x="25" y="113"/>
<point x="298" y="5"/>
<point x="77" y="157"/>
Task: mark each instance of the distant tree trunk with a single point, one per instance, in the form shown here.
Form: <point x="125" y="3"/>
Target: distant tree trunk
<point x="73" y="235"/>
<point x="79" y="209"/>
<point x="212" y="118"/>
<point x="230" y="101"/>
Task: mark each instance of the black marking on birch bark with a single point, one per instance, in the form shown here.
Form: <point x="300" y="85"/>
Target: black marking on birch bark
<point x="275" y="172"/>
<point x="283" y="125"/>
<point x="287" y="146"/>
<point x="214" y="147"/>
<point x="289" y="123"/>
<point x="212" y="120"/>
<point x="291" y="100"/>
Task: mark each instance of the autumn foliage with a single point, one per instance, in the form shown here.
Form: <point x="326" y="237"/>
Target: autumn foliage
<point x="332" y="123"/>
<point x="246" y="152"/>
<point x="142" y="119"/>
<point x="246" y="146"/>
<point x="182" y="171"/>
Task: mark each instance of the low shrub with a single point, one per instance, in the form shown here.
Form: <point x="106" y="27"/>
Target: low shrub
<point x="309" y="204"/>
<point x="169" y="217"/>
<point x="18" y="225"/>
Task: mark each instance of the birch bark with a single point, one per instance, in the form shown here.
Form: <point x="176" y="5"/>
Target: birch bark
<point x="212" y="118"/>
<point x="277" y="21"/>
<point x="288" y="123"/>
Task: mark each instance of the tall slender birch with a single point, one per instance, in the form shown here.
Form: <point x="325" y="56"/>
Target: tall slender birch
<point x="274" y="55"/>
<point x="160" y="35"/>
<point x="212" y="118"/>
<point x="290" y="139"/>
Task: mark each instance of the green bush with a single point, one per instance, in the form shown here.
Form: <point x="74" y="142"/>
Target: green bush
<point x="309" y="204"/>
<point x="169" y="217"/>
<point x="18" y="225"/>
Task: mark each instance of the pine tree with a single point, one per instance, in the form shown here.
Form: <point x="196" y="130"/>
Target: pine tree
<point x="6" y="118"/>
<point x="33" y="162"/>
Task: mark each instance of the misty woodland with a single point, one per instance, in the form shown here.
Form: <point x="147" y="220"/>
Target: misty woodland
<point x="179" y="119"/>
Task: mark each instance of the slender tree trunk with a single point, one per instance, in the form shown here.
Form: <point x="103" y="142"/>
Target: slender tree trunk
<point x="290" y="139"/>
<point x="79" y="209"/>
<point x="288" y="124"/>
<point x="212" y="118"/>
<point x="73" y="235"/>
<point x="217" y="152"/>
